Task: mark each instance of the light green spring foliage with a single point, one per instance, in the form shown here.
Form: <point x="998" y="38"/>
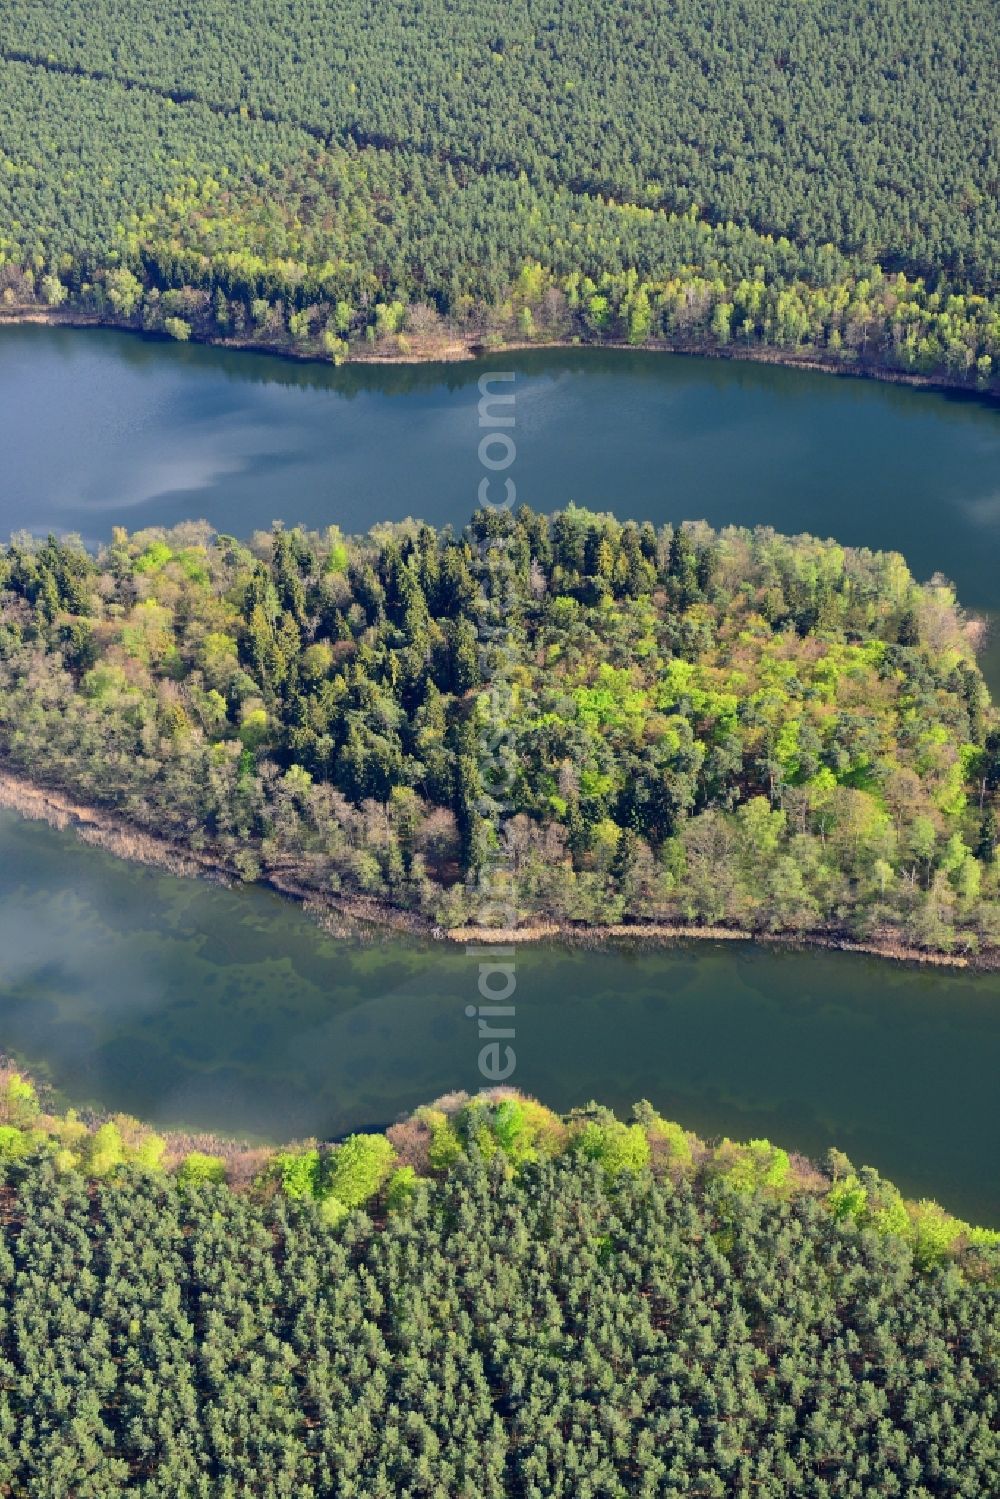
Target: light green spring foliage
<point x="177" y="328"/>
<point x="118" y="1142"/>
<point x="148" y="1153"/>
<point x="298" y="1173"/>
<point x="331" y="1210"/>
<point x="19" y="1101"/>
<point x="847" y="1198"/>
<point x="106" y="1150"/>
<point x="887" y="1212"/>
<point x="933" y="1234"/>
<point x="403" y="1188"/>
<point x="757" y="1166"/>
<point x="526" y="1129"/>
<point x="508" y="1129"/>
<point x="674" y="1140"/>
<point x="338" y="1180"/>
<point x="19" y="1110"/>
<point x="518" y="1128"/>
<point x="198" y="1168"/>
<point x="13" y="1141"/>
<point x="445" y="1146"/>
<point x="357" y="1169"/>
<point x="672" y="1144"/>
<point x="617" y="1148"/>
<point x="474" y="1129"/>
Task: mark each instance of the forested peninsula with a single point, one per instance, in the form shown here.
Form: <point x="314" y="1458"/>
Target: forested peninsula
<point x="423" y="180"/>
<point x="486" y="1300"/>
<point x="563" y="721"/>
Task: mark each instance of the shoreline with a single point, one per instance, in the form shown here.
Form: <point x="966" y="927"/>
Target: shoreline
<point x="463" y="350"/>
<point x="350" y="915"/>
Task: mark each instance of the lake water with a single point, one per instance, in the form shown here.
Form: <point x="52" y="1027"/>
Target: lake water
<point x="189" y="1004"/>
<point x="100" y="428"/>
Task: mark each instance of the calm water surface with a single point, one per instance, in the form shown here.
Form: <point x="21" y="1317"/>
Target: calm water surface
<point x="99" y="428"/>
<point x="189" y="1004"/>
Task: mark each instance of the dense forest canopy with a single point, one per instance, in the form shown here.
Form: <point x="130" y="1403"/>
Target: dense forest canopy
<point x="617" y="723"/>
<point x="631" y="724"/>
<point x="793" y="175"/>
<point x="871" y="128"/>
<point x="488" y="1300"/>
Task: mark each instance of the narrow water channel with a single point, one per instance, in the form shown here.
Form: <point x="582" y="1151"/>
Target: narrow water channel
<point x="190" y="1004"/>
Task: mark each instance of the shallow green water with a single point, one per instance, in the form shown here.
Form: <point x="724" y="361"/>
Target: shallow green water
<point x="190" y="1004"/>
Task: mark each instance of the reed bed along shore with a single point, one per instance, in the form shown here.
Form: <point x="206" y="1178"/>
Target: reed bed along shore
<point x="364" y="916"/>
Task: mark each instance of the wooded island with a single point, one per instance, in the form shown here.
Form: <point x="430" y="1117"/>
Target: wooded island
<point x="619" y="724"/>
